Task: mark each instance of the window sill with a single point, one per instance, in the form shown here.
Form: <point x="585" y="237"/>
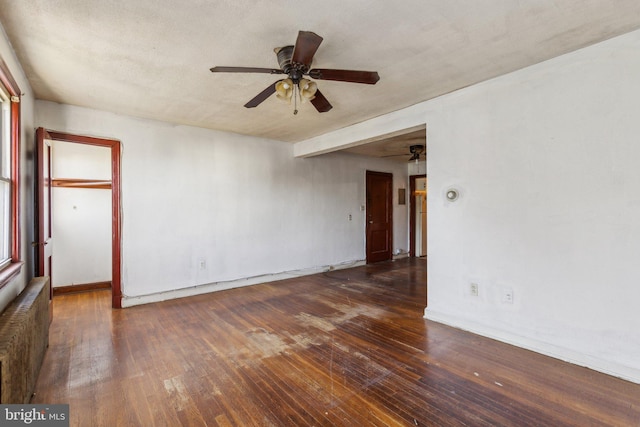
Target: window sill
<point x="9" y="272"/>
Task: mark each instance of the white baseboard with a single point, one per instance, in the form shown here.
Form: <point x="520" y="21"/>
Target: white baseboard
<point x="557" y="352"/>
<point x="130" y="301"/>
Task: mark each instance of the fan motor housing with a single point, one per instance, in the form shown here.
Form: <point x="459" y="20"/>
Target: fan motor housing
<point x="416" y="149"/>
<point x="284" y="58"/>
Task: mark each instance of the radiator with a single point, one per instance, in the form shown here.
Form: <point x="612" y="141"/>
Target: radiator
<point x="24" y="337"/>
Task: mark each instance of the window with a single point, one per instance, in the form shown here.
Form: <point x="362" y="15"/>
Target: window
<point x="9" y="175"/>
<point x="5" y="179"/>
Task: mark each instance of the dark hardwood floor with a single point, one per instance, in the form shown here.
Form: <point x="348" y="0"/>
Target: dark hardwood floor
<point x="346" y="348"/>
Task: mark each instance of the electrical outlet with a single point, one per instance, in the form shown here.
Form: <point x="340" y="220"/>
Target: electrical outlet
<point x="473" y="289"/>
<point x="202" y="263"/>
<point x="507" y="295"/>
<point x="350" y="217"/>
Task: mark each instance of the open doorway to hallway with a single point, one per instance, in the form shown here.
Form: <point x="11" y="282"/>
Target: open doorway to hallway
<point x="81" y="216"/>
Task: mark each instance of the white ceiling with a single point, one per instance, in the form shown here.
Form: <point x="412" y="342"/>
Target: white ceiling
<point x="151" y="58"/>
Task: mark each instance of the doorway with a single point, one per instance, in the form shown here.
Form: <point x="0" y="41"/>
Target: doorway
<point x="44" y="202"/>
<point x="418" y="216"/>
<point x="379" y="226"/>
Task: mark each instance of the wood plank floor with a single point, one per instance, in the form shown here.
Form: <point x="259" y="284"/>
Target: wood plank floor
<point x="344" y="348"/>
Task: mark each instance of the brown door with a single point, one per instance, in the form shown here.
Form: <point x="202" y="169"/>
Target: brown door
<point x="43" y="243"/>
<point x="379" y="216"/>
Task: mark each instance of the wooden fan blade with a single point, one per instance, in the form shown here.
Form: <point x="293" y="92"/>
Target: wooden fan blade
<point x="321" y="103"/>
<point x="352" y="76"/>
<point x="306" y="46"/>
<point x="257" y="100"/>
<point x="246" y="70"/>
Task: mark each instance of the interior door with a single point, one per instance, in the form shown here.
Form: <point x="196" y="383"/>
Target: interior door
<point x="423" y="225"/>
<point x="418" y="216"/>
<point x="44" y="238"/>
<point x="379" y="216"/>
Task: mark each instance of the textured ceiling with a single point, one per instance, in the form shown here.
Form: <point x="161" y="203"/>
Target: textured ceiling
<point x="151" y="58"/>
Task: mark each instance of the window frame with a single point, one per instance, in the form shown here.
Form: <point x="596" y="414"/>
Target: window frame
<point x="9" y="85"/>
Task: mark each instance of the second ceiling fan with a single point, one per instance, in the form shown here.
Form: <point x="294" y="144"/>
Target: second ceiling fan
<point x="295" y="62"/>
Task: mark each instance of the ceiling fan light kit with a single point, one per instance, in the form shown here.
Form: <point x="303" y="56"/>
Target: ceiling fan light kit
<point x="295" y="62"/>
<point x="284" y="89"/>
<point x="308" y="89"/>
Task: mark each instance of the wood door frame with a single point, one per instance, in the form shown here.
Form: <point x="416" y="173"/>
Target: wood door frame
<point x="43" y="184"/>
<point x="116" y="220"/>
<point x="389" y="201"/>
<point x="412" y="213"/>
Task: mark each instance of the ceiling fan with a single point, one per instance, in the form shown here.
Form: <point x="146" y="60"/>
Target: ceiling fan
<point x="414" y="150"/>
<point x="295" y="63"/>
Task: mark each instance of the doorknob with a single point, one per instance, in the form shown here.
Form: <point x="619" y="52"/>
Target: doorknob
<point x="370" y="222"/>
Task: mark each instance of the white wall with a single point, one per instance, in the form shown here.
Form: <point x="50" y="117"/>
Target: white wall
<point x="81" y="217"/>
<point x="546" y="160"/>
<point x="12" y="289"/>
<point x="202" y="206"/>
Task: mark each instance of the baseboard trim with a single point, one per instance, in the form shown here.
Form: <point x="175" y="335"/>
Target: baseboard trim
<point x="567" y="355"/>
<point x="130" y="301"/>
<point x="60" y="290"/>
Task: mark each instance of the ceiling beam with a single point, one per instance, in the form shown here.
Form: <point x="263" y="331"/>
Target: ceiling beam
<point x="388" y="125"/>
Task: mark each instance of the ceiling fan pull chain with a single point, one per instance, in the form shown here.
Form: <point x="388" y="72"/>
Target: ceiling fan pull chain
<point x="295" y="98"/>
